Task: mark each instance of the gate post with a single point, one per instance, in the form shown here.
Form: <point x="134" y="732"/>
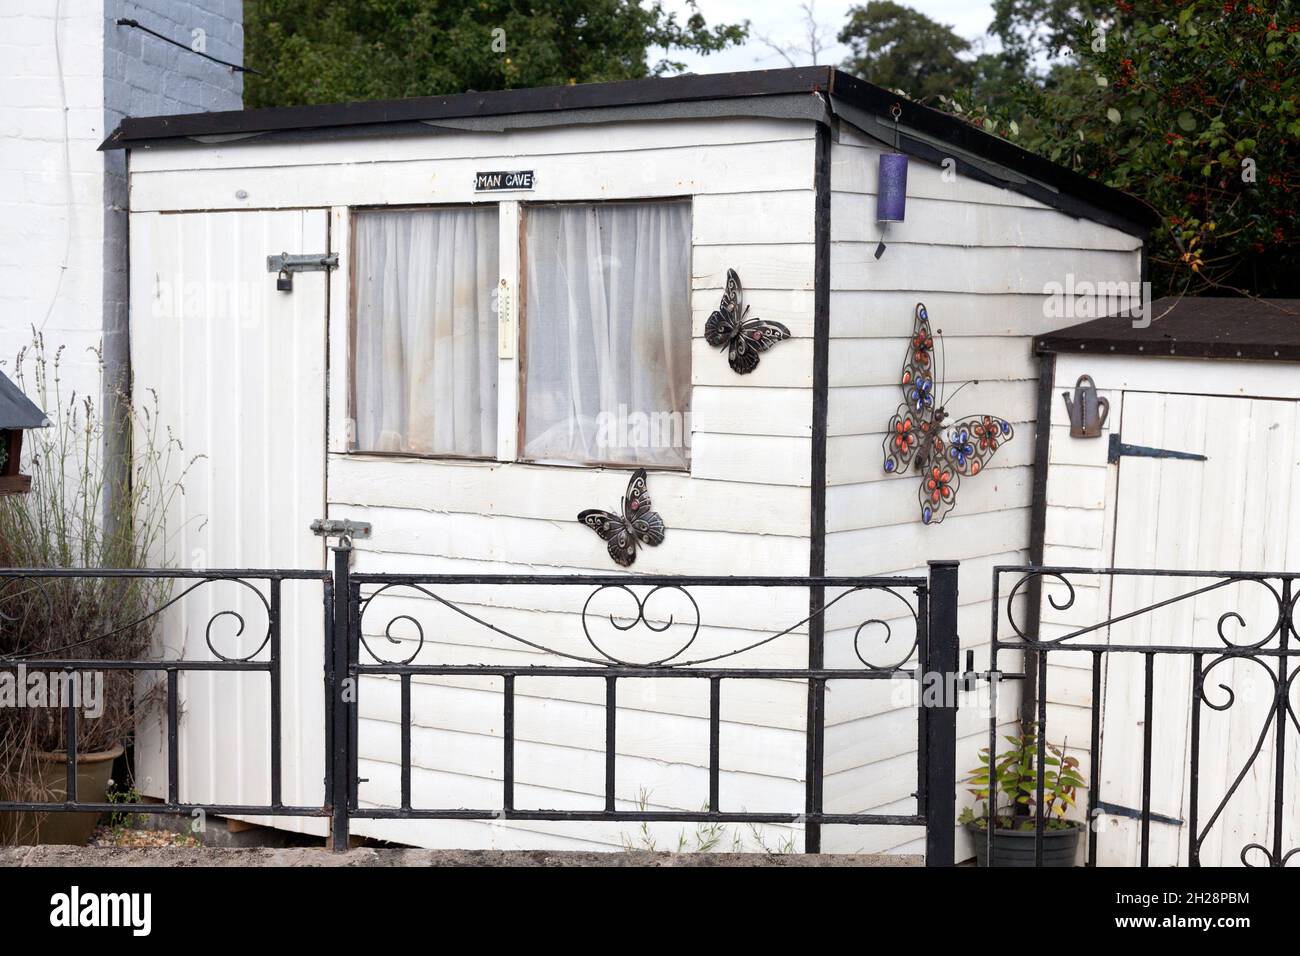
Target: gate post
<point x="339" y="759"/>
<point x="939" y="697"/>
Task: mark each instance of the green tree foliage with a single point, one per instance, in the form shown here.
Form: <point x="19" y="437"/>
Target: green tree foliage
<point x="901" y="49"/>
<point x="320" y="51"/>
<point x="1192" y="105"/>
<point x="1032" y="29"/>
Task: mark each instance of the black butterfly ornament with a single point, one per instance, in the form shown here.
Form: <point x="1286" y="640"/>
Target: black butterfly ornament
<point x="634" y="524"/>
<point x="743" y="338"/>
<point x="917" y="435"/>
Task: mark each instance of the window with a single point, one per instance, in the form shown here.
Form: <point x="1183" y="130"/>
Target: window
<point x="425" y="331"/>
<point x="607" y="333"/>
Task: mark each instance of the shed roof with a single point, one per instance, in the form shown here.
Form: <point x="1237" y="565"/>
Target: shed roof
<point x="924" y="132"/>
<point x="1236" y="328"/>
<point x="16" y="409"/>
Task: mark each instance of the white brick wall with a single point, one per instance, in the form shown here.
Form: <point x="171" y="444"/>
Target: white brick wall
<point x="68" y="74"/>
<point x="51" y="187"/>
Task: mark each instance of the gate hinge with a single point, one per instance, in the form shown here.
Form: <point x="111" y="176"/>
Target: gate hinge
<point x="1119" y="449"/>
<point x="1117" y="810"/>
<point x="340" y="528"/>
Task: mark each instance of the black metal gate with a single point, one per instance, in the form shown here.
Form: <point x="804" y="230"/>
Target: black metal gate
<point x="826" y="641"/>
<point x="1192" y="637"/>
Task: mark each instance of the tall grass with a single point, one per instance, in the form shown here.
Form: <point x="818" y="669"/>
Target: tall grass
<point x="87" y="509"/>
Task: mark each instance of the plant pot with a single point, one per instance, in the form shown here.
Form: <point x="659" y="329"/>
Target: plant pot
<point x="94" y="770"/>
<point x="1016" y="847"/>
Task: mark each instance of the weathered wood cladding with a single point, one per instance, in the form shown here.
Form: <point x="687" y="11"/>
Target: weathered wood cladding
<point x="770" y="478"/>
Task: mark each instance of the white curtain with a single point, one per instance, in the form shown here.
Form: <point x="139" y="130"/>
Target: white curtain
<point x="608" y="328"/>
<point x="425" y="350"/>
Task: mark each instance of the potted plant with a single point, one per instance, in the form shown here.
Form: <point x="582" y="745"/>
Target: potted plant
<point x="93" y="504"/>
<point x="1012" y="776"/>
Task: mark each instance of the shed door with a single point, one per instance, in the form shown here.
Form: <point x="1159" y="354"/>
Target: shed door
<point x="1233" y="511"/>
<point x="239" y="373"/>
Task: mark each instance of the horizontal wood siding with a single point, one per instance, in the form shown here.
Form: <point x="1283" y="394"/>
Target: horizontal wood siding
<point x="742" y="509"/>
<point x="979" y="257"/>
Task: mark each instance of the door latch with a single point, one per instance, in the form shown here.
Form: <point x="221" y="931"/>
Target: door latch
<point x="346" y="531"/>
<point x="285" y="265"/>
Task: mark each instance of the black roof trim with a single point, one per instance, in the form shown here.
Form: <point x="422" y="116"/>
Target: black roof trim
<point x="365" y="117"/>
<point x="1218" y="328"/>
<point x="672" y="89"/>
<point x="962" y="134"/>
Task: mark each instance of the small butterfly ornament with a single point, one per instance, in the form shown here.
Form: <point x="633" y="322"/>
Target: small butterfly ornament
<point x="634" y="524"/>
<point x="743" y="338"/>
<point x="917" y="436"/>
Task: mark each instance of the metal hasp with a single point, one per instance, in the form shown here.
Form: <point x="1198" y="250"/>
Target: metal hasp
<point x="1087" y="412"/>
<point x="285" y="265"/>
<point x="340" y="528"/>
<point x="1119" y="450"/>
<point x="314" y="262"/>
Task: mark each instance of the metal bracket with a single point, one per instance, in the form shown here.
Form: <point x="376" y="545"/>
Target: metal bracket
<point x="315" y="262"/>
<point x="1118" y="450"/>
<point x="1117" y="810"/>
<point x="340" y="528"/>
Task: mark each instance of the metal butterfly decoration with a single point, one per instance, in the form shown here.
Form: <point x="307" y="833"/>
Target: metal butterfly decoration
<point x="917" y="435"/>
<point x="743" y="338"/>
<point x="635" y="523"/>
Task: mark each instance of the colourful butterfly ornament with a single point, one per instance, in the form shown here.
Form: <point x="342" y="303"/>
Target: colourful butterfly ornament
<point x="917" y="436"/>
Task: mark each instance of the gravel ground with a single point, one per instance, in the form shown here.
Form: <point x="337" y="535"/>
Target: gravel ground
<point x="181" y="856"/>
<point x="105" y="836"/>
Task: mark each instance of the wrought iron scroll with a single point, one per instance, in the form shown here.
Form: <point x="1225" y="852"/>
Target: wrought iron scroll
<point x="1269" y="644"/>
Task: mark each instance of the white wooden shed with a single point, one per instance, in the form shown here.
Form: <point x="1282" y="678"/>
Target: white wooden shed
<point x="1194" y="469"/>
<point x="505" y="220"/>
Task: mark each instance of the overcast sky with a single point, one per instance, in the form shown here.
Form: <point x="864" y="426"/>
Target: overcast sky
<point x="783" y="22"/>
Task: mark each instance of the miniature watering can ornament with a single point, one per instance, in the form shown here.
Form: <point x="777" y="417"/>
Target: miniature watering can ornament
<point x="1087" y="411"/>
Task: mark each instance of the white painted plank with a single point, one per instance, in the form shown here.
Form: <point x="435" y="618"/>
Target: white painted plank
<point x="983" y="270"/>
<point x="881" y="503"/>
<point x="551" y="544"/>
<point x="631" y="174"/>
<point x="864" y="362"/>
<point x="766" y="459"/>
<point x="878" y="313"/>
<point x="753" y="218"/>
<point x="445" y="143"/>
<point x="781" y="266"/>
<point x="741" y="410"/>
<point x="787" y="365"/>
<point x="945" y="222"/>
<point x="557" y="493"/>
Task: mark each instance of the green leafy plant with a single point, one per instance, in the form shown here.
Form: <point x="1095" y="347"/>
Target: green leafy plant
<point x="1014" y="780"/>
<point x="120" y="820"/>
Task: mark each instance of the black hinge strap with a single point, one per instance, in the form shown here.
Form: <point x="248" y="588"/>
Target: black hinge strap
<point x="1116" y="810"/>
<point x="1119" y="449"/>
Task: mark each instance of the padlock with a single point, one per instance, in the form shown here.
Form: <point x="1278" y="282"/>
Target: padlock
<point x="284" y="281"/>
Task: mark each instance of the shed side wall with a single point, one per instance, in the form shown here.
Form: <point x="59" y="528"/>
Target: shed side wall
<point x="980" y="258"/>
